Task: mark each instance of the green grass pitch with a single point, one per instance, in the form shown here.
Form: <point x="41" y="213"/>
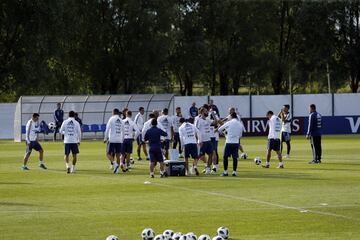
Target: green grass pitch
<point x="299" y="202"/>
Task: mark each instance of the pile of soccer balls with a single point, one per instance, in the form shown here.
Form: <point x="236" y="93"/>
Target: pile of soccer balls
<point x="149" y="234"/>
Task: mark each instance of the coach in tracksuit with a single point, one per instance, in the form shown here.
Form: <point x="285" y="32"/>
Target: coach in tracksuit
<point x="59" y="118"/>
<point x="314" y="134"/>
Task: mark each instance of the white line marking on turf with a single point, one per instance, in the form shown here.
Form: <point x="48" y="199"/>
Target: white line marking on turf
<point x="299" y="209"/>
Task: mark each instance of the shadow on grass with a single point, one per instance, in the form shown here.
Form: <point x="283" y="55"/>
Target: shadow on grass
<point x="9" y="204"/>
<point x="14" y="183"/>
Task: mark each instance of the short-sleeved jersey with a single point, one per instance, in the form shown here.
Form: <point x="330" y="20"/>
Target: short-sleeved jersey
<point x="167" y="122"/>
<point x="131" y="131"/>
<point x="114" y="132"/>
<point x="274" y="127"/>
<point x="32" y="129"/>
<point x="188" y="133"/>
<point x="71" y="130"/>
<point x="286" y="123"/>
<point x="176" y="123"/>
<point x="204" y="126"/>
<point x="147" y="126"/>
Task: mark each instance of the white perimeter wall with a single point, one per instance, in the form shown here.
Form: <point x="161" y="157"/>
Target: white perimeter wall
<point x="344" y="105"/>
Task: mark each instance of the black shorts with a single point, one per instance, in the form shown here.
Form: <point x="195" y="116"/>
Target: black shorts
<point x="127" y="146"/>
<point x="191" y="149"/>
<point x="71" y="147"/>
<point x="156" y="155"/>
<point x="231" y="149"/>
<point x="113" y="148"/>
<point x="165" y="144"/>
<point x="33" y="145"/>
<point x="139" y="140"/>
<point x="285" y="137"/>
<point x="273" y="144"/>
<point x="207" y="147"/>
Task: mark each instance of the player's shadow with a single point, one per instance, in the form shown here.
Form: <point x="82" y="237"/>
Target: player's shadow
<point x="14" y="183"/>
<point x="16" y="204"/>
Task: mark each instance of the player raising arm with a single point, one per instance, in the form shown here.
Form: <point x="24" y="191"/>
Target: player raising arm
<point x="32" y="129"/>
<point x="189" y="135"/>
<point x="114" y="137"/>
<point x="70" y="128"/>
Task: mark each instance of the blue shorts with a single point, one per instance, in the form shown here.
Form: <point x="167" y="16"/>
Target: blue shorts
<point x="191" y="150"/>
<point x="231" y="149"/>
<point x="214" y="143"/>
<point x="165" y="144"/>
<point x="113" y="148"/>
<point x="33" y="145"/>
<point x="127" y="146"/>
<point x="156" y="155"/>
<point x="285" y="136"/>
<point x="176" y="137"/>
<point x="71" y="147"/>
<point x="207" y="148"/>
<point x="273" y="144"/>
<point x="139" y="140"/>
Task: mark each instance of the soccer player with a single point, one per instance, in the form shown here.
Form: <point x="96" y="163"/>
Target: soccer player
<point x="153" y="136"/>
<point x="203" y="123"/>
<point x="59" y="118"/>
<point x="189" y="136"/>
<point x="285" y="117"/>
<point x="175" y="126"/>
<point x="214" y="138"/>
<point x="70" y="128"/>
<point x="114" y="137"/>
<point x="166" y="121"/>
<point x="139" y="121"/>
<point x="32" y="129"/>
<point x="273" y="138"/>
<point x="314" y="134"/>
<point x="129" y="128"/>
<point x="147" y="124"/>
<point x="233" y="134"/>
<point x="193" y="111"/>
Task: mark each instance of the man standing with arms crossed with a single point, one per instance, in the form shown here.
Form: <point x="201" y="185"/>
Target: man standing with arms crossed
<point x="189" y="135"/>
<point x="139" y="121"/>
<point x="314" y="134"/>
<point x="70" y="128"/>
<point x="285" y="117"/>
<point x="59" y="118"/>
<point x="233" y="134"/>
<point x="114" y="138"/>
<point x="273" y="139"/>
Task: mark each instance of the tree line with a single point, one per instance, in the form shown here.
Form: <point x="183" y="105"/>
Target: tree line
<point x="182" y="46"/>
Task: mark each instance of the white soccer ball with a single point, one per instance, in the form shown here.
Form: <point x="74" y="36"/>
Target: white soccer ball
<point x="159" y="237"/>
<point x="52" y="126"/>
<point x="168" y="234"/>
<point x="223" y="232"/>
<point x="184" y="237"/>
<point x="177" y="236"/>
<point x="112" y="237"/>
<point x="148" y="234"/>
<point x="257" y="160"/>
<point x="204" y="237"/>
<point x="218" y="238"/>
<point x="191" y="236"/>
<point x="244" y="156"/>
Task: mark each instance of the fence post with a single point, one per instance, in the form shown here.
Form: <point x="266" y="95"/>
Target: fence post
<point x="292" y="104"/>
<point x="250" y="105"/>
<point x="332" y="104"/>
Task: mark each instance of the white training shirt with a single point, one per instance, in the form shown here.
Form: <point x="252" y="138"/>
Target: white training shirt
<point x="286" y="124"/>
<point x="129" y="128"/>
<point x="147" y="126"/>
<point x="188" y="134"/>
<point x="70" y="128"/>
<point x="167" y="122"/>
<point x="274" y="127"/>
<point x="139" y="121"/>
<point x="114" y="132"/>
<point x="234" y="129"/>
<point x="205" y="130"/>
<point x="32" y="129"/>
<point x="176" y="123"/>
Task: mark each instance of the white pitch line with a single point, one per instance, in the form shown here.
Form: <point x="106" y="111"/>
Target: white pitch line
<point x="299" y="209"/>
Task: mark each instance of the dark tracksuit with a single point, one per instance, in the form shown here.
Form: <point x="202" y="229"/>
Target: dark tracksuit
<point x="314" y="131"/>
<point x="59" y="118"/>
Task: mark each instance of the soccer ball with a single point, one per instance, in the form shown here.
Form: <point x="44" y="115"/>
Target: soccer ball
<point x="204" y="237"/>
<point x="244" y="156"/>
<point x="147" y="234"/>
<point x="257" y="160"/>
<point x="185" y="237"/>
<point x="177" y="236"/>
<point x="191" y="236"/>
<point x="112" y="237"/>
<point x="159" y="237"/>
<point x="168" y="234"/>
<point x="217" y="238"/>
<point x="223" y="232"/>
<point x="52" y="126"/>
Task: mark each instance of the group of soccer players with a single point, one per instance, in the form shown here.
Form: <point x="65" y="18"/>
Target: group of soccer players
<point x="196" y="138"/>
